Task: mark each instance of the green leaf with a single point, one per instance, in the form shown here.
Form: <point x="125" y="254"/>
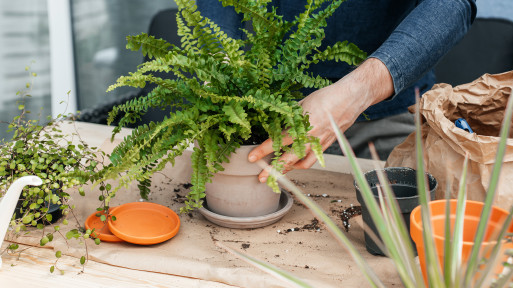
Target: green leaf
<point x="70" y="234"/>
<point x="44" y="241"/>
<point x="237" y="115"/>
<point x="28" y="218"/>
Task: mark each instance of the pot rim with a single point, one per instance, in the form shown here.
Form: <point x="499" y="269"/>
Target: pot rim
<point x="430" y="177"/>
<point x="416" y="227"/>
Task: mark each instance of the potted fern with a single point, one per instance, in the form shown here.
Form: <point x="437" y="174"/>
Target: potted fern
<point x="228" y="92"/>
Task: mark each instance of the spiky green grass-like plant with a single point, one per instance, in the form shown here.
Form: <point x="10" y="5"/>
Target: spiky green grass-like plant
<point x="477" y="271"/>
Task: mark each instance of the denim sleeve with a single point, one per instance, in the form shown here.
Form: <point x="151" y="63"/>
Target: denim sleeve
<point x="225" y="17"/>
<point x="423" y="37"/>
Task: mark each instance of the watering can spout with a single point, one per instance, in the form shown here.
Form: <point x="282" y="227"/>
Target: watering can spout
<point x="9" y="201"/>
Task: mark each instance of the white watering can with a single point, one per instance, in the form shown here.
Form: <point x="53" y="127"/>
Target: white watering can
<point x="9" y="201"/>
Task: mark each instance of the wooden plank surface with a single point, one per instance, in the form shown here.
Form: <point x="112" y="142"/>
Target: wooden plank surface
<point x="32" y="269"/>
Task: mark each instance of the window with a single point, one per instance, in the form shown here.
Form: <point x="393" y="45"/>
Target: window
<point x="100" y="28"/>
<point x="72" y="45"/>
<point x="24" y="36"/>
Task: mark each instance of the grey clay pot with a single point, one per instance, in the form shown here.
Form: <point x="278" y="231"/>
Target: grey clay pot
<point x="236" y="191"/>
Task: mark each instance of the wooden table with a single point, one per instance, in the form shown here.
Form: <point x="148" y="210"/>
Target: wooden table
<point x="31" y="268"/>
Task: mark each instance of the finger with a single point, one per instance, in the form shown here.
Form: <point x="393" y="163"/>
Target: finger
<point x="310" y="158"/>
<point x="265" y="149"/>
<point x="262" y="177"/>
<point x="306" y="162"/>
<point x="288" y="159"/>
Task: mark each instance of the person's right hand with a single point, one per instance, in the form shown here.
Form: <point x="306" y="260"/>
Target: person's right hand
<point x="345" y="100"/>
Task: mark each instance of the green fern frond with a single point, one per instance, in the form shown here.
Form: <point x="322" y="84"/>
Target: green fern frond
<point x="303" y="43"/>
<point x="341" y="52"/>
<point x="198" y="180"/>
<point x="238" y="116"/>
<point x="309" y="81"/>
<point x="151" y="47"/>
<point x="206" y="37"/>
<point x="160" y="96"/>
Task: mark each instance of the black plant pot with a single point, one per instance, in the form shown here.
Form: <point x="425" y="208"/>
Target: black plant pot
<point x="53" y="209"/>
<point x="403" y="182"/>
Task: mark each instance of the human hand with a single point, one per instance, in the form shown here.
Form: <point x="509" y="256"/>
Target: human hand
<point x="345" y="100"/>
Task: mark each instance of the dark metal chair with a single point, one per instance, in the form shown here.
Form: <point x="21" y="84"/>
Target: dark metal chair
<point x="487" y="48"/>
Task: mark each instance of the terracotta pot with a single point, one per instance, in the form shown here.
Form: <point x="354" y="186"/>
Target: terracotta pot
<point x="236" y="191"/>
<point x="472" y="215"/>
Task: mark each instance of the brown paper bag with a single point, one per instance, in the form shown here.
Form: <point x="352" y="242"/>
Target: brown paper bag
<point x="482" y="103"/>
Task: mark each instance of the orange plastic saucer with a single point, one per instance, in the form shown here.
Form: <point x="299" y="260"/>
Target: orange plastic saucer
<point x="144" y="223"/>
<point x="102" y="230"/>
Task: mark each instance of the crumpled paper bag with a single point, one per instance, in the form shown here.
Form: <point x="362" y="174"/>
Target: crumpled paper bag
<point x="482" y="103"/>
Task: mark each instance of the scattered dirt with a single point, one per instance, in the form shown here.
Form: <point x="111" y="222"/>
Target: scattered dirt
<point x="349" y="213"/>
<point x="318" y="195"/>
<point x="313" y="226"/>
<point x="299" y="183"/>
<point x="245" y="246"/>
<point x="181" y="197"/>
<point x="186" y="185"/>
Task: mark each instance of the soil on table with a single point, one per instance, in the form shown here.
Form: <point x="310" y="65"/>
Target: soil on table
<point x="348" y="213"/>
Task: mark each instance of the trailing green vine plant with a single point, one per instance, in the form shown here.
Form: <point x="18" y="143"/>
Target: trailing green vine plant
<point x="227" y="91"/>
<point x="38" y="147"/>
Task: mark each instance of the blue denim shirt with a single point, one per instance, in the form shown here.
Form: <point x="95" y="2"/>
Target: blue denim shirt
<point x="408" y="36"/>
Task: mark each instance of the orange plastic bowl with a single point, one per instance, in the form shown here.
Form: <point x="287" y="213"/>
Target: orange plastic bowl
<point x="144" y="223"/>
<point x="102" y="230"/>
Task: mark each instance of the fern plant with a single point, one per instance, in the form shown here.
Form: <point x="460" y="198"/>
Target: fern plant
<point x="226" y="91"/>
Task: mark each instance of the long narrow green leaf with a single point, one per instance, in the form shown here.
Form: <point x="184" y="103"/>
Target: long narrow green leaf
<point x="368" y="197"/>
<point x="432" y="267"/>
<point x="372" y="278"/>
<point x="269" y="268"/>
<point x="495" y="256"/>
<point x="399" y="231"/>
<point x="506" y="278"/>
<point x="401" y="260"/>
<point x="490" y="194"/>
<point x="457" y="239"/>
<point x="448" y="240"/>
